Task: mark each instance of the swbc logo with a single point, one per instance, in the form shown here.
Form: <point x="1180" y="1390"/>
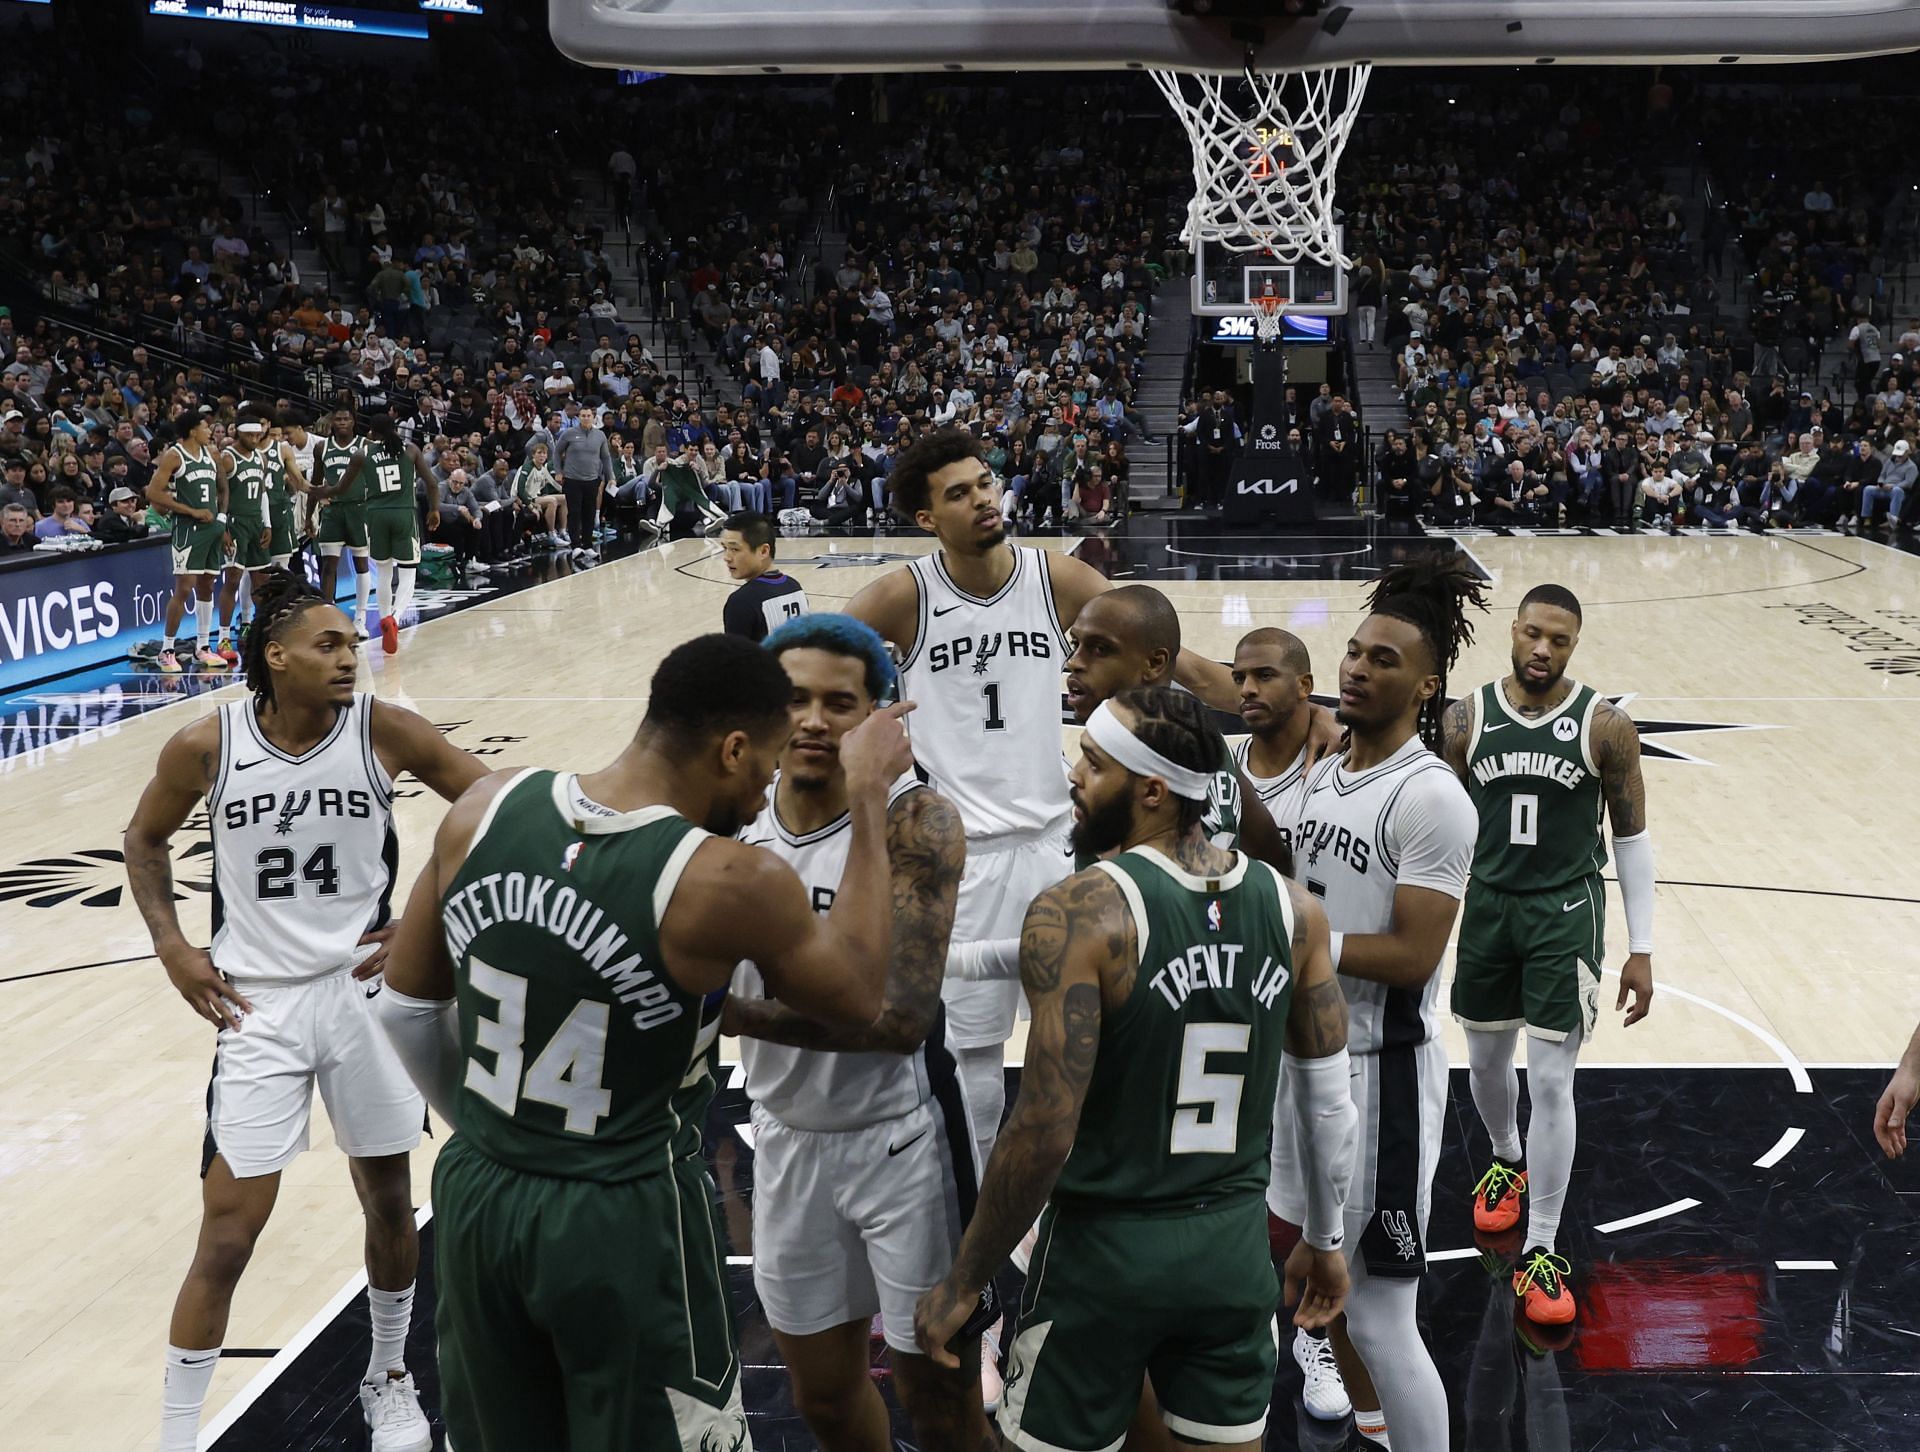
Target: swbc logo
<point x="1269" y="487"/>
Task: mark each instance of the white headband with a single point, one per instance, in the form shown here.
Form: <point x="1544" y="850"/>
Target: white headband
<point x="1112" y="736"/>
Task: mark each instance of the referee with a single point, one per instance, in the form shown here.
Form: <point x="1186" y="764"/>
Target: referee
<point x="766" y="598"/>
<point x="584" y="463"/>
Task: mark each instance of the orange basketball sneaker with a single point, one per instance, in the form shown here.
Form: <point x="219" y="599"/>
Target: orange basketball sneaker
<point x="1540" y="1281"/>
<point x="1496" y="1199"/>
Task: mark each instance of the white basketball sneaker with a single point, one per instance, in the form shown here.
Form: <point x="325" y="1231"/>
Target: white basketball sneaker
<point x="392" y="1409"/>
<point x="992" y="1388"/>
<point x="1324" y="1395"/>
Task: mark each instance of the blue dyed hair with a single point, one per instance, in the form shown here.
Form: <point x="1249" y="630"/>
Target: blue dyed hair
<point x="840" y="635"/>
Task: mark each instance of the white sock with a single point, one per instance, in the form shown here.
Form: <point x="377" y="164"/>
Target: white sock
<point x="202" y="620"/>
<point x="403" y="598"/>
<point x="243" y="598"/>
<point x="391" y="1313"/>
<point x="362" y="587"/>
<point x="1550" y="1134"/>
<point x="166" y="642"/>
<point x="183" y="1394"/>
<point x="1496" y="1087"/>
<point x="383" y="589"/>
<point x="1372" y="1425"/>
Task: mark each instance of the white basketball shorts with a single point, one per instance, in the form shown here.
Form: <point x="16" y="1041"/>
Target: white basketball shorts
<point x="1401" y="1096"/>
<point x="1000" y="882"/>
<point x="321" y="1031"/>
<point x="851" y="1222"/>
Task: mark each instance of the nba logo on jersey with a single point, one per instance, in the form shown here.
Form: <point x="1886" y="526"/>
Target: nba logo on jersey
<point x="1213" y="916"/>
<point x="567" y="857"/>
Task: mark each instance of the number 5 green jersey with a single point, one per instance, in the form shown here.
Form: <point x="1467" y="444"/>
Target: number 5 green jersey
<point x="1537" y="788"/>
<point x="1179" y="1110"/>
<point x="584" y="1059"/>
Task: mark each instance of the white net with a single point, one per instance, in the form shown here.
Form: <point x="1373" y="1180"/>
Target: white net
<point x="1265" y="150"/>
<point x="1266" y="321"/>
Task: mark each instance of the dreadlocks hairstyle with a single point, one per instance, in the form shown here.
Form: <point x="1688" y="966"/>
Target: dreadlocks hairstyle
<point x="276" y="606"/>
<point x="1432" y="593"/>
<point x="1176" y="724"/>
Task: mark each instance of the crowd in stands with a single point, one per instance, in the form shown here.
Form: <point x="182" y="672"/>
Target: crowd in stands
<point x="1569" y="346"/>
<point x="1570" y="350"/>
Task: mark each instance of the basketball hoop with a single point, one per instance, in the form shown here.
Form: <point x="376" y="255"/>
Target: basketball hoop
<point x="1266" y="318"/>
<point x="1265" y="149"/>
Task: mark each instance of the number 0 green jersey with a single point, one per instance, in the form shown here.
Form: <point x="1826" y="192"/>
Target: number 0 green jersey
<point x="584" y="1059"/>
<point x="1179" y="1111"/>
<point x="1536" y="785"/>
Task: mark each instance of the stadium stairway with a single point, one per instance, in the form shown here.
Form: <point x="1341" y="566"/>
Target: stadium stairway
<point x="265" y="215"/>
<point x="1169" y="338"/>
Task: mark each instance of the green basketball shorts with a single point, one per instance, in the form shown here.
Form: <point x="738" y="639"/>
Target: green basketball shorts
<point x="394" y="534"/>
<point x="597" y="1314"/>
<point x="1189" y="1299"/>
<point x="342" y="526"/>
<point x="198" y="549"/>
<point x="248" y="552"/>
<point x="1531" y="958"/>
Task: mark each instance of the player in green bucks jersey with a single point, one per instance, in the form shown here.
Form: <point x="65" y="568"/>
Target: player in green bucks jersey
<point x="1167" y="985"/>
<point x="385" y="472"/>
<point x="1542" y="756"/>
<point x="245" y="467"/>
<point x="555" y="989"/>
<point x="187" y="484"/>
<point x="341" y="528"/>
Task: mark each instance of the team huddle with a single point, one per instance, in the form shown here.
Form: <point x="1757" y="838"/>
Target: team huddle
<point x="855" y="846"/>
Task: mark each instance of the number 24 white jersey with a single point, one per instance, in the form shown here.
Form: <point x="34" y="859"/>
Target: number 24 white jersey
<point x="304" y="851"/>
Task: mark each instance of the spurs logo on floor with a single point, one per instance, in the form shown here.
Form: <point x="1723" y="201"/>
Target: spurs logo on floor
<point x="1399" y="1228"/>
<point x="1896" y="665"/>
<point x="96" y="876"/>
<point x="847" y="562"/>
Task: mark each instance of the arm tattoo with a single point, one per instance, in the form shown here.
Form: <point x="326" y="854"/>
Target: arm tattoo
<point x="1317" y="1022"/>
<point x="1617" y="743"/>
<point x="927" y="850"/>
<point x="1081" y="917"/>
<point x="1456" y="730"/>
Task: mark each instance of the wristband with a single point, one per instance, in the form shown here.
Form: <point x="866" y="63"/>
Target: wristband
<point x="1334" y="941"/>
<point x="219" y="519"/>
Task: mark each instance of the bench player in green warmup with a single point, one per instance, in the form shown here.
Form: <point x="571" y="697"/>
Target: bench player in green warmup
<point x="1541" y="755"/>
<point x="555" y="989"/>
<point x="341" y="528"/>
<point x="1165" y="983"/>
<point x="187" y="485"/>
<point x="392" y="465"/>
<point x="245" y="467"/>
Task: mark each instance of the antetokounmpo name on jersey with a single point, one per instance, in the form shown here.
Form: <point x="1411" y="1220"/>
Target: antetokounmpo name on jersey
<point x="540" y="902"/>
<point x="1214" y="965"/>
<point x="981" y="651"/>
<point x="1568" y="772"/>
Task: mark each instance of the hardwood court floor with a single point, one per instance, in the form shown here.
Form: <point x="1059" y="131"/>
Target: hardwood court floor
<point x="1786" y="671"/>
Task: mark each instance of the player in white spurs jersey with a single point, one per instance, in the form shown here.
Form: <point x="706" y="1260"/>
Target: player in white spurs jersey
<point x="298" y="782"/>
<point x="1275" y="678"/>
<point x="981" y="627"/>
<point x="1384" y="838"/>
<point x="864" y="1173"/>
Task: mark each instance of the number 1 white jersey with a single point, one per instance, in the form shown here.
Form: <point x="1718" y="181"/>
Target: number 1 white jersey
<point x="985" y="674"/>
<point x="304" y="850"/>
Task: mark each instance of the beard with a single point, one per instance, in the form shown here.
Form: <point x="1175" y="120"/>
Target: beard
<point x="1528" y="684"/>
<point x="1104" y="828"/>
<point x="990" y="542"/>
